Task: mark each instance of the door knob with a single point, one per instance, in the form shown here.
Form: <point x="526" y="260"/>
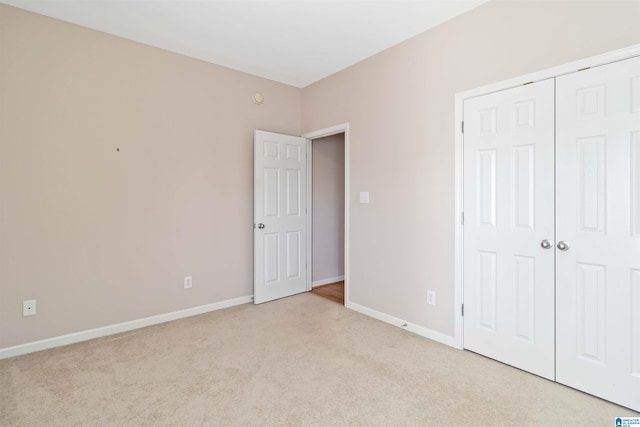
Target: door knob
<point x="261" y="226"/>
<point x="563" y="246"/>
<point x="546" y="244"/>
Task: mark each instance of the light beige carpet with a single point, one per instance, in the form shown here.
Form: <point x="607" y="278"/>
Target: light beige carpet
<point x="298" y="361"/>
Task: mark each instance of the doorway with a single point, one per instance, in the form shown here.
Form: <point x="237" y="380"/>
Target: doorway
<point x="327" y="225"/>
<point x="328" y="207"/>
<point x="283" y="213"/>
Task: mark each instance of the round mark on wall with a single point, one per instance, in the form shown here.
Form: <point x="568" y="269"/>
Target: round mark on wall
<point x="258" y="98"/>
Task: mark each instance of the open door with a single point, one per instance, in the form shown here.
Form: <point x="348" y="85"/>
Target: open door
<point x="280" y="217"/>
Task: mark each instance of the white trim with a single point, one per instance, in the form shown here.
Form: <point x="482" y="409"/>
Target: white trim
<point x="309" y="208"/>
<point x="328" y="281"/>
<point x="571" y="67"/>
<point x="419" y="330"/>
<point x="117" y="328"/>
<point x="458" y="291"/>
<point x="549" y="73"/>
<point x="333" y="130"/>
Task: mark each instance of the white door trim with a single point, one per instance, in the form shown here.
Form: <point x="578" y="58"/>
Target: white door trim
<point x="333" y="130"/>
<point x="571" y="67"/>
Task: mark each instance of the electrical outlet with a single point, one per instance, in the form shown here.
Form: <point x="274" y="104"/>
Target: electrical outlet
<point x="29" y="307"/>
<point x="188" y="282"/>
<point x="431" y="297"/>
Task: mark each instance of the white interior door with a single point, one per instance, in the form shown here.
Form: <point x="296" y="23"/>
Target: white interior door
<point x="598" y="216"/>
<point x="508" y="213"/>
<point x="280" y="218"/>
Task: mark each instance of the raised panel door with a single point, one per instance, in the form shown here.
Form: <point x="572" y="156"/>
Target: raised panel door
<point x="509" y="211"/>
<point x="279" y="216"/>
<point x="598" y="216"/>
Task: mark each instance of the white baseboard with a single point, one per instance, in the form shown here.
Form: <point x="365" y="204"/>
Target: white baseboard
<point x="327" y="281"/>
<point x="117" y="328"/>
<point x="422" y="331"/>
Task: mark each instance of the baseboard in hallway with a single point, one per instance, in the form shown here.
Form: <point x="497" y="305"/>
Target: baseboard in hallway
<point x="327" y="281"/>
<point x="331" y="291"/>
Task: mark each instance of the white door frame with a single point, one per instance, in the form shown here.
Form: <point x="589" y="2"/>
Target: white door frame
<point x="613" y="56"/>
<point x="310" y="136"/>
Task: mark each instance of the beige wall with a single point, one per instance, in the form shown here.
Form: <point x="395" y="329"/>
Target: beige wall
<point x="100" y="236"/>
<point x="328" y="207"/>
<point x="400" y="105"/>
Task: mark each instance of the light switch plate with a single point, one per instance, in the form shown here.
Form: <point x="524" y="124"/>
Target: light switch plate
<point x="431" y="297"/>
<point x="364" y="197"/>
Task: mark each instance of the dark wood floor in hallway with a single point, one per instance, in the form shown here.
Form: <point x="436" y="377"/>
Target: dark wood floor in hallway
<point x="332" y="291"/>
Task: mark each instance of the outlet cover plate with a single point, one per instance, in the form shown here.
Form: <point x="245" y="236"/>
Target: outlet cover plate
<point x="188" y="282"/>
<point x="29" y="307"/>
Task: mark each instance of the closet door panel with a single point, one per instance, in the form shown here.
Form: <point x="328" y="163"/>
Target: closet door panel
<point x="598" y="216"/>
<point x="509" y="209"/>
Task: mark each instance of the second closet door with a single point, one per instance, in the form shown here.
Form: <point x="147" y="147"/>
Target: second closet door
<point x="598" y="231"/>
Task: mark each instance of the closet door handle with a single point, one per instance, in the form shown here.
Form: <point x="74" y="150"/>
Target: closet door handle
<point x="563" y="246"/>
<point x="546" y="244"/>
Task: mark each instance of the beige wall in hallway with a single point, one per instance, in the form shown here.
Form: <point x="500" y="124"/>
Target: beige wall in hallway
<point x="100" y="236"/>
<point x="400" y="106"/>
<point x="328" y="207"/>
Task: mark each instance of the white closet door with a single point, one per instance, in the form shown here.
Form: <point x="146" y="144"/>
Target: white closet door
<point x="509" y="212"/>
<point x="598" y="216"/>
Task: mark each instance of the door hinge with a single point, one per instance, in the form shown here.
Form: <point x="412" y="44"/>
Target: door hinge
<point x="462" y="310"/>
<point x="462" y="218"/>
<point x="462" y="126"/>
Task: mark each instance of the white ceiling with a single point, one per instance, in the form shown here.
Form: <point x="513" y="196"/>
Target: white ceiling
<point x="296" y="42"/>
